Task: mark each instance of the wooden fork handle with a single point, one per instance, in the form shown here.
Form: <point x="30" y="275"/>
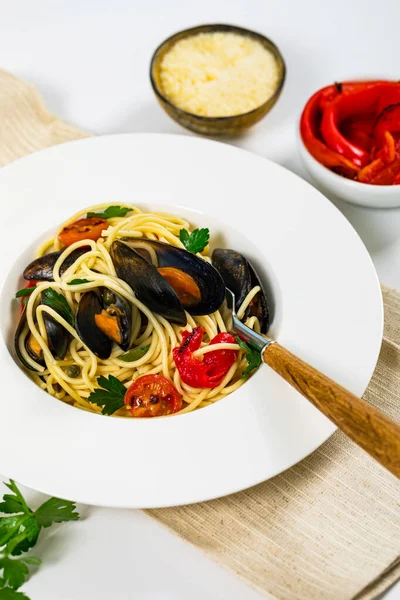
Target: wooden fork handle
<point x="364" y="424"/>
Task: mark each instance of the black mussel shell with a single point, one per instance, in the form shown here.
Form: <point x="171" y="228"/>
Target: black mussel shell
<point x="57" y="336"/>
<point x="205" y="276"/>
<point x="240" y="277"/>
<point x="150" y="287"/>
<point x="42" y="268"/>
<point x="90" y="305"/>
<point x="22" y="327"/>
<point x="117" y="306"/>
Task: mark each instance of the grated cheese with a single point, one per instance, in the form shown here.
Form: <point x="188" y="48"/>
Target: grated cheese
<point x="218" y="74"/>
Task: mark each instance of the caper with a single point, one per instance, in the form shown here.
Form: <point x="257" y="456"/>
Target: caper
<point x="108" y="297"/>
<point x="73" y="371"/>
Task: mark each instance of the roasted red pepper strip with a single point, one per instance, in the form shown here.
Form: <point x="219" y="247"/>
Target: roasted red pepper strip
<point x="309" y="129"/>
<point x="358" y="130"/>
<point x="385" y="176"/>
<point x="370" y="171"/>
<point x="210" y="371"/>
<point x="387" y="121"/>
<point x="363" y="101"/>
<point x="388" y="151"/>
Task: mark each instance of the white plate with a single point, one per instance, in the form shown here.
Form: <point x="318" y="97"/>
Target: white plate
<point x="328" y="310"/>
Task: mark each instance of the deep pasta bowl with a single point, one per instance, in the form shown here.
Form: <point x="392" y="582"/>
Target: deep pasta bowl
<point x="215" y="125"/>
<point x="260" y="429"/>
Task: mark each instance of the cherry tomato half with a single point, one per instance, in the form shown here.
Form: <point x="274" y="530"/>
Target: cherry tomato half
<point x="83" y="229"/>
<point x="152" y="396"/>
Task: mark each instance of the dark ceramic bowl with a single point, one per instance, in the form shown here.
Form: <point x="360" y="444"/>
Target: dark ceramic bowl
<point x="214" y="125"/>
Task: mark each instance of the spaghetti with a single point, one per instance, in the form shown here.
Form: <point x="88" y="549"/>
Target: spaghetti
<point x="154" y="334"/>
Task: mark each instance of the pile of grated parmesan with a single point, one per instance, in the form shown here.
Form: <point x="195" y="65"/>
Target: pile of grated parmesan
<point x="218" y="74"/>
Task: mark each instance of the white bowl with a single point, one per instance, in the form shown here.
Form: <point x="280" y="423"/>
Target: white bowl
<point x="322" y="312"/>
<point x="363" y="194"/>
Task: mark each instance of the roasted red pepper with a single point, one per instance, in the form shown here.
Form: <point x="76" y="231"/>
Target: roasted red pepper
<point x="309" y="129"/>
<point x="387" y="121"/>
<point x="353" y="128"/>
<point x="388" y="150"/>
<point x="210" y="371"/>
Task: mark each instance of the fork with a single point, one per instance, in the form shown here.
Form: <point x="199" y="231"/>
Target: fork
<point x="365" y="425"/>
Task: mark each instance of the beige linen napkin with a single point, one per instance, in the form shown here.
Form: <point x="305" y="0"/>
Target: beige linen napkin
<point x="328" y="528"/>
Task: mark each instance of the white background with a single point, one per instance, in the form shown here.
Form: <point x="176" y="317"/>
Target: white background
<point x="90" y="59"/>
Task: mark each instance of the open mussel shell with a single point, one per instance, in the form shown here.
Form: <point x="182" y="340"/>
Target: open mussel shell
<point x="85" y="324"/>
<point x="42" y="268"/>
<point x="23" y="332"/>
<point x="103" y="317"/>
<point x="58" y="339"/>
<point x="240" y="277"/>
<point x="116" y="308"/>
<point x="150" y="287"/>
<point x="197" y="284"/>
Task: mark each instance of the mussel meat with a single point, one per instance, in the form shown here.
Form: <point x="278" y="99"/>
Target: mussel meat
<point x="169" y="280"/>
<point x="240" y="277"/>
<point x="41" y="268"/>
<point x="103" y="317"/>
<point x="58" y="339"/>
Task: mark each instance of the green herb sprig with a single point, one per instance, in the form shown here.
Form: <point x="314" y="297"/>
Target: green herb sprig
<point x="59" y="303"/>
<point x="196" y="241"/>
<point x="19" y="532"/>
<point x="110" y="397"/>
<point x="78" y="281"/>
<point x="110" y="212"/>
<point x="134" y="354"/>
<point x="252" y="355"/>
<point x="25" y="292"/>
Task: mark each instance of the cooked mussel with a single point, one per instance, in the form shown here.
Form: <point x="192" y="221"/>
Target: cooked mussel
<point x="198" y="286"/>
<point x="57" y="338"/>
<point x="150" y="287"/>
<point x="42" y="268"/>
<point x="103" y="317"/>
<point x="240" y="277"/>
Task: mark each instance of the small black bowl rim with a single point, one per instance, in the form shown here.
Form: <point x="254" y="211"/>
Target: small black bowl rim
<point x="225" y="28"/>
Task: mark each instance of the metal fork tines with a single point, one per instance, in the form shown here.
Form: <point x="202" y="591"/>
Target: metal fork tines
<point x="234" y="324"/>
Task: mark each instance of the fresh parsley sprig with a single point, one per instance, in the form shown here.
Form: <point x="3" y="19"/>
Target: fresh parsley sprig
<point x="111" y="396"/>
<point x="196" y="241"/>
<point x="59" y="303"/>
<point x="19" y="531"/>
<point x="134" y="354"/>
<point x="78" y="281"/>
<point x="25" y="292"/>
<point x="252" y="355"/>
<point x="110" y="212"/>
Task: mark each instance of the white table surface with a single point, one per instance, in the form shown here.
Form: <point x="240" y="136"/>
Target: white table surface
<point x="90" y="59"/>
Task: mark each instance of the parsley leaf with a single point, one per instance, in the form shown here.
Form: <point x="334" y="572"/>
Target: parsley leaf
<point x="110" y="212"/>
<point x="15" y="502"/>
<point x="25" y="291"/>
<point x="253" y="356"/>
<point x="59" y="303"/>
<point x="15" y="571"/>
<point x="9" y="594"/>
<point x="134" y="354"/>
<point x="56" y="510"/>
<point x="196" y="241"/>
<point x="77" y="281"/>
<point x="111" y="397"/>
<point x="19" y="531"/>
